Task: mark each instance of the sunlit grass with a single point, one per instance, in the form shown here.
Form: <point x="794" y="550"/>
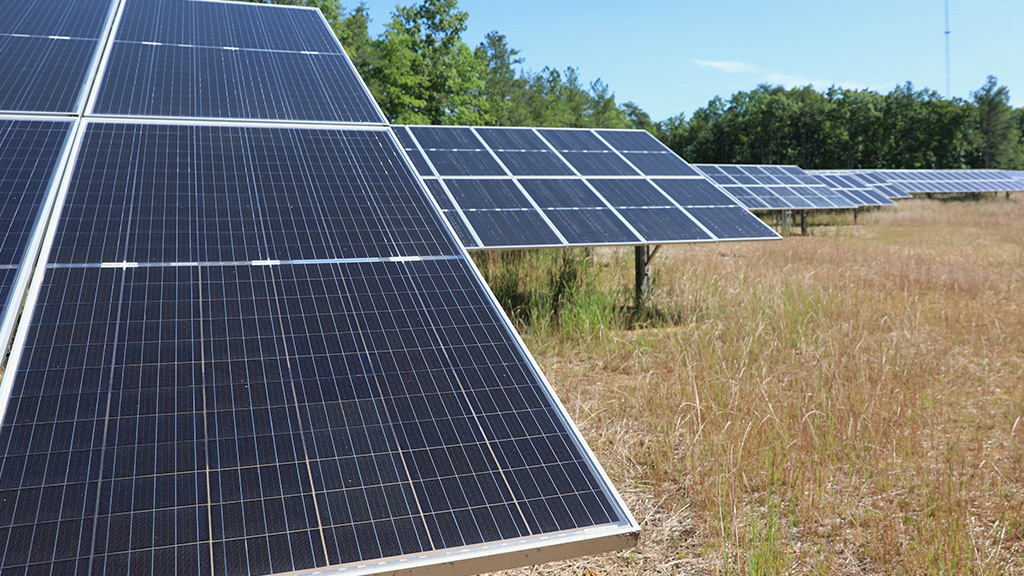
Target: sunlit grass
<point x="848" y="402"/>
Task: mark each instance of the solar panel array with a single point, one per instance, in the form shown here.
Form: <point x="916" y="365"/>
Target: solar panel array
<point x="251" y="344"/>
<point x="853" y="186"/>
<point x="949" y="181"/>
<point x="771" y="187"/>
<point x="47" y="52"/>
<point x="549" y="187"/>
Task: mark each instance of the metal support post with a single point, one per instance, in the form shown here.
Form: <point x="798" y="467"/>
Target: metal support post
<point x="855" y="210"/>
<point x="803" y="222"/>
<point x="787" y="222"/>
<point x="643" y="256"/>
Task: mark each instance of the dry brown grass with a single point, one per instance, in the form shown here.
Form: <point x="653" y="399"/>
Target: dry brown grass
<point x="846" y="403"/>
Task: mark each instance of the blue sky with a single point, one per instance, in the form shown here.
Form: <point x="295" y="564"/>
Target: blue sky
<point x="673" y="56"/>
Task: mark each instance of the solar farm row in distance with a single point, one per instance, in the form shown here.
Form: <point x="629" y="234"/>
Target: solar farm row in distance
<point x="253" y="347"/>
<point x="948" y="181"/>
<point x="854" y="186"/>
<point x="550" y="187"/>
<point x="768" y="187"/>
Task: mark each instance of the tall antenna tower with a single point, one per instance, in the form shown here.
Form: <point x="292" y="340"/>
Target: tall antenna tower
<point x="947" y="50"/>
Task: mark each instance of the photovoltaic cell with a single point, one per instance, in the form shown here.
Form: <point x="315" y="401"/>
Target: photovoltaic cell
<point x="561" y="193"/>
<point x="664" y="225"/>
<point x="487" y="195"/>
<point x="216" y="82"/>
<point x="451" y="213"/>
<point x="220" y="24"/>
<point x="29" y="154"/>
<point x="512" y="228"/>
<point x="43" y="74"/>
<point x="79" y="19"/>
<point x="694" y="192"/>
<point x="591" y="227"/>
<point x="169" y="193"/>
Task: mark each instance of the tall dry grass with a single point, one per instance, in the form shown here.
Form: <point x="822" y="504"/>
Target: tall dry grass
<point x="851" y="402"/>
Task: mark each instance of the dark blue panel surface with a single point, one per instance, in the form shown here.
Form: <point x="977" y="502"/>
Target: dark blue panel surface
<point x="451" y="213"/>
<point x="654" y="164"/>
<point x="599" y="164"/>
<point x="512" y="139"/>
<point x="256" y="419"/>
<point x="591" y="227"/>
<point x="567" y="139"/>
<point x="158" y="193"/>
<point x="560" y="193"/>
<point x="446" y="138"/>
<point x="29" y="152"/>
<point x="220" y="24"/>
<point x="465" y="163"/>
<point x="632" y="140"/>
<point x="694" y="192"/>
<point x="512" y="228"/>
<point x="530" y="163"/>
<point x="487" y="194"/>
<point x="40" y="74"/>
<point x="663" y="224"/>
<point x="181" y="81"/>
<point x="634" y="193"/>
<point x="78" y="19"/>
<point x="731" y="223"/>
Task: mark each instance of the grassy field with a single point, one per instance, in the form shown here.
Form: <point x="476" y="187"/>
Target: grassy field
<point x="850" y="402"/>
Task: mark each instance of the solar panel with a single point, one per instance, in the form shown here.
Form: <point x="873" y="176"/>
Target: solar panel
<point x="853" y="187"/>
<point x="946" y="181"/>
<point x="772" y="187"/>
<point x="523" y="187"/>
<point x="256" y="347"/>
<point x="31" y="152"/>
<point x="230" y="60"/>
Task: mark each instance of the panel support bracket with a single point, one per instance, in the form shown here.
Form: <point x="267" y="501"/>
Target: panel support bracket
<point x="643" y="256"/>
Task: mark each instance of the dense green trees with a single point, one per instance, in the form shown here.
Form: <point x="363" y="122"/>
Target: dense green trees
<point x="421" y="71"/>
<point x="840" y="128"/>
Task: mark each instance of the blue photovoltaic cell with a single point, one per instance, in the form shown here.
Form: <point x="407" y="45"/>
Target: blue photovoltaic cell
<point x="632" y="193"/>
<point x="446" y="138"/>
<point x="599" y="164"/>
<point x="159" y="193"/>
<point x="487" y="195"/>
<point x="655" y="164"/>
<point x="451" y="213"/>
<point x="205" y="82"/>
<point x="29" y="152"/>
<point x="418" y="161"/>
<point x="730" y="222"/>
<point x="663" y="224"/>
<point x="590" y="227"/>
<point x="42" y="74"/>
<point x="464" y="163"/>
<point x="561" y="193"/>
<point x="632" y="140"/>
<point x="531" y="163"/>
<point x="694" y="192"/>
<point x="258" y="419"/>
<point x="78" y="19"/>
<point x="220" y="24"/>
<point x="566" y="139"/>
<point x="512" y="139"/>
<point x="512" y="228"/>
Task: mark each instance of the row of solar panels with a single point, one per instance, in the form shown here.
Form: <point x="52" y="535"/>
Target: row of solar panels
<point x="909" y="182"/>
<point x="250" y="342"/>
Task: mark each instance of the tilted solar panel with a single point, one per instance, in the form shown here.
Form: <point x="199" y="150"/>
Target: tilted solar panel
<point x="771" y="187"/>
<point x="177" y="58"/>
<point x="570" y="187"/>
<point x="255" y="347"/>
<point x="31" y="154"/>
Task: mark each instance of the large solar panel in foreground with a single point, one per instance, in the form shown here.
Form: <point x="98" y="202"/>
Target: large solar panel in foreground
<point x="549" y="187"/>
<point x="256" y="348"/>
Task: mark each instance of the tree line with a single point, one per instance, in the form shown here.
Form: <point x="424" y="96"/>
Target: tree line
<point x="421" y="72"/>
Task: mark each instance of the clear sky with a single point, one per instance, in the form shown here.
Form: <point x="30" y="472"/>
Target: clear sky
<point x="673" y="56"/>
